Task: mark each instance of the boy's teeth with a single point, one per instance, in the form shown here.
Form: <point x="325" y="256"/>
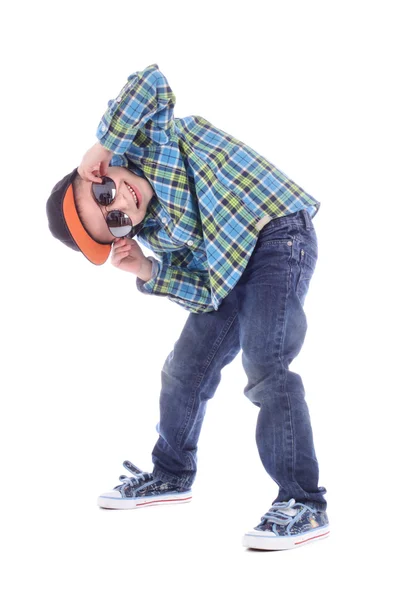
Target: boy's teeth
<point x="133" y="193"/>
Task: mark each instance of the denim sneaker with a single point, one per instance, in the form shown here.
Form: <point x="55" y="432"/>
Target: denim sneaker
<point x="288" y="525"/>
<point x="142" y="490"/>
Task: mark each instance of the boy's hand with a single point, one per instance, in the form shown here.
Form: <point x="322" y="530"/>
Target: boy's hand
<point x="127" y="255"/>
<point x="94" y="163"/>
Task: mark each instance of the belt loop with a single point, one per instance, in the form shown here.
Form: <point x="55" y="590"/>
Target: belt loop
<point x="306" y="219"/>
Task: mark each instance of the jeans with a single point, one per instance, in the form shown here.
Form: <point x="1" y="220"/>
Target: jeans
<point x="263" y="316"/>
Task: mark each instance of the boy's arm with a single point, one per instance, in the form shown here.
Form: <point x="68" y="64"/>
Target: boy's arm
<point x="188" y="288"/>
<point x="146" y="100"/>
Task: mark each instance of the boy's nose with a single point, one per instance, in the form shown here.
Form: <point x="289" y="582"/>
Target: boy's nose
<point x="119" y="195"/>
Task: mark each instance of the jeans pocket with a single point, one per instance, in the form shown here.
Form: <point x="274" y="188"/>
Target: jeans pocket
<point x="307" y="263"/>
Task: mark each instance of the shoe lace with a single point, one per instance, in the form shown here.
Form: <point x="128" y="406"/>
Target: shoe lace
<point x="137" y="477"/>
<point x="281" y="513"/>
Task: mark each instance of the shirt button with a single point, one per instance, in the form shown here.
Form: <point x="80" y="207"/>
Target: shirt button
<point x="119" y="99"/>
<point x="190" y="243"/>
<point x="103" y="127"/>
<point x="164" y="219"/>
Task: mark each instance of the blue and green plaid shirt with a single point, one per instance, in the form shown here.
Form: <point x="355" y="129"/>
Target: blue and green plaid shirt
<point x="213" y="193"/>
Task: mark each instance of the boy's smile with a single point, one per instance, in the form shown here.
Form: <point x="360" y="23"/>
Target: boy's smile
<point x="133" y="195"/>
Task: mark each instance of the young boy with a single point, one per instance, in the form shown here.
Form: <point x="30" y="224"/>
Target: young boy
<point x="234" y="244"/>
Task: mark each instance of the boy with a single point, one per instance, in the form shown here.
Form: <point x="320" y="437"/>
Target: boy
<point x="234" y="244"/>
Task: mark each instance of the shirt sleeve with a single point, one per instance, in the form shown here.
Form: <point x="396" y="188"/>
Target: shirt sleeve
<point x="187" y="288"/>
<point x="145" y="103"/>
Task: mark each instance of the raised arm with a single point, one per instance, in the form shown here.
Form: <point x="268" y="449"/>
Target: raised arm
<point x="145" y="103"/>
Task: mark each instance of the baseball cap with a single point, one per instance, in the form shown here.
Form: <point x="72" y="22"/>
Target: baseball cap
<point x="66" y="226"/>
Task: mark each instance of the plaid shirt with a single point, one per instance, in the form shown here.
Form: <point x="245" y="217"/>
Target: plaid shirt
<point x="213" y="193"/>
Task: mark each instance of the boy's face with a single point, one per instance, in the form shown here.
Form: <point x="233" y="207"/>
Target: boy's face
<point x="92" y="213"/>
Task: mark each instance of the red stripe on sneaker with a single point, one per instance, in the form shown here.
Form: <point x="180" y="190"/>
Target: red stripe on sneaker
<point x="161" y="501"/>
<point x="312" y="538"/>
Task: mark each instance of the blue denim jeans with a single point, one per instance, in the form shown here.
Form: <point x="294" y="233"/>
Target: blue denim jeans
<point x="264" y="317"/>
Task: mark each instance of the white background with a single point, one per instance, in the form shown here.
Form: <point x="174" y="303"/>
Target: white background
<point x="312" y="87"/>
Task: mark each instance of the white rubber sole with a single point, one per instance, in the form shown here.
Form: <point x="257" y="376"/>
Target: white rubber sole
<point x="260" y="541"/>
<point x="127" y="503"/>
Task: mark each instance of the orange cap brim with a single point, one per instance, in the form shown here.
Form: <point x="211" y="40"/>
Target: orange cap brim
<point x="94" y="251"/>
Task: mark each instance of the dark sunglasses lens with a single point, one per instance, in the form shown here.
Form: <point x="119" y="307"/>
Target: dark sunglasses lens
<point x="119" y="223"/>
<point x="104" y="192"/>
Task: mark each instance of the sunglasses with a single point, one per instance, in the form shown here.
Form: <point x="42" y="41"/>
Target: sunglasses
<point x="119" y="224"/>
